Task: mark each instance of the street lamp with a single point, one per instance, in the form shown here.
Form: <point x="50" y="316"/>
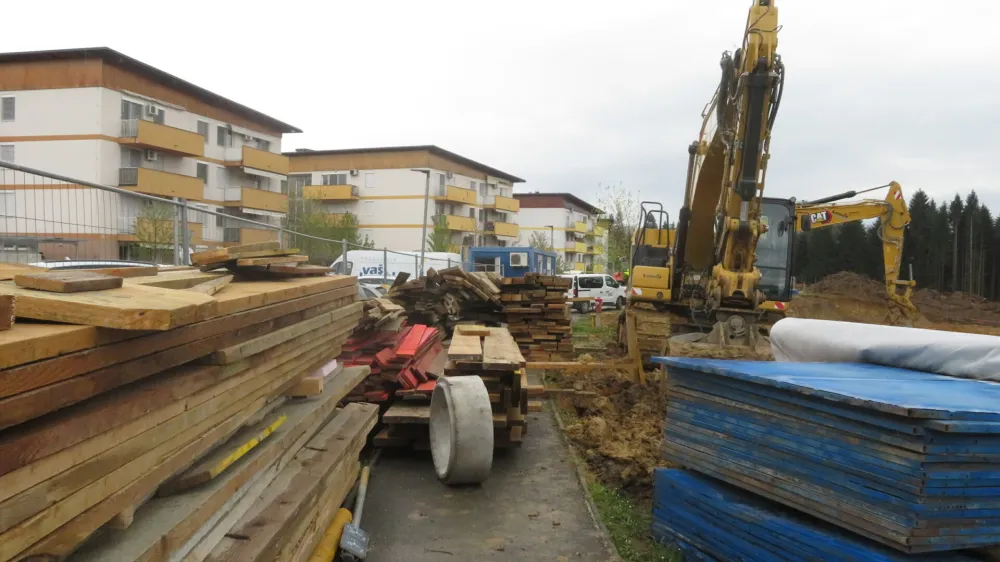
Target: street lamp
<point x="423" y="233"/>
<point x="552" y="236"/>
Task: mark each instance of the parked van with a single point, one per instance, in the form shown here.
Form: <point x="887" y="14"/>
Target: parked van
<point x="592" y="286"/>
<point x="376" y="263"/>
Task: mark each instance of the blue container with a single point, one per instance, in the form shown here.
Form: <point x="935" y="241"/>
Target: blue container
<point x="511" y="262"/>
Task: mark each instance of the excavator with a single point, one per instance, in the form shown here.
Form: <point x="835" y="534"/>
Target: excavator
<point x="710" y="283"/>
<point x="893" y="218"/>
<point x="706" y="279"/>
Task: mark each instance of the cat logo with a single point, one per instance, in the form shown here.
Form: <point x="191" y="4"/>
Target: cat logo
<point x="821" y="217"/>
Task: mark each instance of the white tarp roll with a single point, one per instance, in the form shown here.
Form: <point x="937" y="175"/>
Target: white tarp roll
<point x="968" y="356"/>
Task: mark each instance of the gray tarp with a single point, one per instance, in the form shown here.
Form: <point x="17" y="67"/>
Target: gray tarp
<point x="970" y="356"/>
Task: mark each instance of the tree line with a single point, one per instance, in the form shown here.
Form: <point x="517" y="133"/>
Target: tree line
<point x="950" y="246"/>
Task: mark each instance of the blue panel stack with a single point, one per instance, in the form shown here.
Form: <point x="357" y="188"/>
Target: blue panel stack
<point x="710" y="520"/>
<point x="909" y="459"/>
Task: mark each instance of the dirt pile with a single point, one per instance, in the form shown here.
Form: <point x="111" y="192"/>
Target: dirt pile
<point x="850" y="284"/>
<point x="959" y="308"/>
<point x="618" y="431"/>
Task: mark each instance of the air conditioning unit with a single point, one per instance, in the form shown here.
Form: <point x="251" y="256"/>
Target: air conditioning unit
<point x="152" y="155"/>
<point x="519" y="259"/>
<point x="151" y="110"/>
<point x="354" y="172"/>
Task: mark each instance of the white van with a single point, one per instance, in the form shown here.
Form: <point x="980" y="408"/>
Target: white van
<point x="592" y="286"/>
<point x="372" y="263"/>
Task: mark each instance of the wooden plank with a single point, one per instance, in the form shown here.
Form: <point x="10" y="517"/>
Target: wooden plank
<point x="420" y="414"/>
<point x="212" y="287"/>
<point x="301" y="541"/>
<point x="131" y="307"/>
<point x="77" y="434"/>
<point x="473" y="330"/>
<point x="347" y="315"/>
<point x="243" y="296"/>
<point x="297" y="488"/>
<point x="223" y="457"/>
<point x="79" y="515"/>
<point x="126" y="272"/>
<point x="312" y="384"/>
<point x="191" y="524"/>
<point x="48" y="493"/>
<point x="43" y="373"/>
<point x="9" y="270"/>
<point x="573" y="366"/>
<point x="28" y="405"/>
<point x="245" y="262"/>
<point x="69" y="281"/>
<point x="465" y="348"/>
<point x="7" y="312"/>
<point x="233" y="252"/>
<point x="500" y="351"/>
<point x="183" y="279"/>
<point x="283" y="270"/>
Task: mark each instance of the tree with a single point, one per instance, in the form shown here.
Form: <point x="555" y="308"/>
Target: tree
<point x="334" y="229"/>
<point x="954" y="220"/>
<point x="439" y="240"/>
<point x="154" y="230"/>
<point x="621" y="206"/>
<point x="541" y="240"/>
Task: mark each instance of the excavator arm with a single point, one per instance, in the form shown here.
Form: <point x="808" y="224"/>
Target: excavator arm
<point x="894" y="217"/>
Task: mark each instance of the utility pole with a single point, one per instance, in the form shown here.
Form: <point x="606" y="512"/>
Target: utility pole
<point x="423" y="233"/>
<point x="552" y="237"/>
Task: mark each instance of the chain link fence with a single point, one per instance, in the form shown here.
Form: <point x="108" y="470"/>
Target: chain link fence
<point x="47" y="217"/>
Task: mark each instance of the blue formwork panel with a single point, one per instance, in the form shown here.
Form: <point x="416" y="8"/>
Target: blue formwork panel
<point x="908" y="459"/>
<point x="710" y="520"/>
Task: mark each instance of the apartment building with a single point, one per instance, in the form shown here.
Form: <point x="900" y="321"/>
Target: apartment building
<point x="385" y="189"/>
<point x="99" y="116"/>
<point x="575" y="228"/>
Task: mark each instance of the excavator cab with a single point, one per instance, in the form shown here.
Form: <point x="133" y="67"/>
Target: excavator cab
<point x="775" y="248"/>
<point x="652" y="245"/>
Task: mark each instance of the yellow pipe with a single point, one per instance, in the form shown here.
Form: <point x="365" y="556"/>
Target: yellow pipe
<point x="330" y="543"/>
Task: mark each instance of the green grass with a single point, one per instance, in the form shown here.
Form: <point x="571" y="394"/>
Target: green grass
<point x="628" y="525"/>
<point x="584" y="327"/>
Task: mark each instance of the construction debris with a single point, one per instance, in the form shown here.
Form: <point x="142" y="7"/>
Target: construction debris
<point x="538" y="316"/>
<point x="176" y="442"/>
<point x="445" y="298"/>
<point x="263" y="260"/>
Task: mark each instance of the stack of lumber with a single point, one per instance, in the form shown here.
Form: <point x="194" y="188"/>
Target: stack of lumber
<point x="399" y="361"/>
<point x="489" y="353"/>
<point x="264" y="260"/>
<point x="705" y="517"/>
<point x="379" y="315"/>
<point x="538" y="316"/>
<point x="445" y="298"/>
<point x="905" y="458"/>
<point x="176" y="393"/>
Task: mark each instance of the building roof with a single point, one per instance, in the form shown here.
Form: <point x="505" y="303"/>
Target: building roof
<point x="115" y="58"/>
<point x="433" y="149"/>
<point x="568" y="197"/>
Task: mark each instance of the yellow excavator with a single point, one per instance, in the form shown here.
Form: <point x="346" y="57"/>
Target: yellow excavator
<point x="893" y="218"/>
<point x="711" y="282"/>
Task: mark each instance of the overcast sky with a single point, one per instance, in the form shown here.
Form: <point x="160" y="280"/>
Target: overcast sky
<point x="573" y="94"/>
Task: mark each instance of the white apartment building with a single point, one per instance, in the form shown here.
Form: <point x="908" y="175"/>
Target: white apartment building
<point x="384" y="188"/>
<point x="574" y="227"/>
<point x="99" y="116"/>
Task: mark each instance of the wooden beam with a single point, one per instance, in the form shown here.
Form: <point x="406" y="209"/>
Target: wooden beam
<point x="465" y="348"/>
<point x="184" y="279"/>
<point x="232" y="252"/>
<point x="246" y="262"/>
<point x="131" y="307"/>
<point x="6" y="312"/>
<point x="212" y="287"/>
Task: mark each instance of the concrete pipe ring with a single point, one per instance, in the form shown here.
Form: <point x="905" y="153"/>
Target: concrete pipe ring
<point x="461" y="426"/>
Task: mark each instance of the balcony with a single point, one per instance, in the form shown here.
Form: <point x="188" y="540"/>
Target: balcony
<point x="598" y="268"/>
<point x="501" y="203"/>
<point x="162" y="184"/>
<point x="459" y="195"/>
<point x="498" y="228"/>
<point x="252" y="198"/>
<point x="330" y="192"/>
<point x="454" y="222"/>
<point x="248" y="157"/>
<point x="147" y="134"/>
<point x="577" y="247"/>
<point x="599" y="231"/>
<point x="248" y="235"/>
<point x="600" y="250"/>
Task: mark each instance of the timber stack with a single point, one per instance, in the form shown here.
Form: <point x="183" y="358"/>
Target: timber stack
<point x="487" y="352"/>
<point x="538" y="316"/>
<point x="156" y="420"/>
<point x="261" y="260"/>
<point x="401" y="359"/>
<point x="445" y="298"/>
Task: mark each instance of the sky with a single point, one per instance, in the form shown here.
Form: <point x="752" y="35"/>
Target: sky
<point x="577" y="95"/>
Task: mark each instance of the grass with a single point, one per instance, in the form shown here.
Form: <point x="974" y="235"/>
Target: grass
<point x="584" y="327"/>
<point x="628" y="525"/>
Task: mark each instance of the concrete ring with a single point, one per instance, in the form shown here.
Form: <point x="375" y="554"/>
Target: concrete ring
<point x="461" y="426"/>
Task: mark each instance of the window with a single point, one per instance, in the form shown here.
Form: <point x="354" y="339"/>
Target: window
<point x="264" y="145"/>
<point x="7" y="108"/>
<point x="7" y="204"/>
<point x="131" y="110"/>
<point x="203" y="130"/>
<point x="610" y="281"/>
<point x="131" y="158"/>
<point x="472" y="213"/>
<point x="284" y="186"/>
<point x="6" y="153"/>
<point x="158" y="118"/>
<point x="201" y="171"/>
<point x="482" y="189"/>
<point x="587" y="282"/>
<point x="334" y="179"/>
<point x="224" y="136"/>
<point x="472" y="185"/>
<point x="441" y="187"/>
<point x="370" y="179"/>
